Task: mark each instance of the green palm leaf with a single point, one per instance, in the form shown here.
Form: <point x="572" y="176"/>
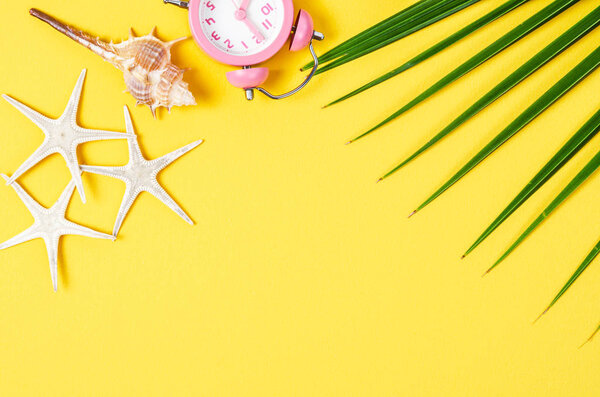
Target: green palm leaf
<point x="395" y="20"/>
<point x="592" y="336"/>
<point x="442" y="45"/>
<point x="570" y="37"/>
<point x="581" y="177"/>
<point x="499" y="45"/>
<point x="420" y="12"/>
<point x="377" y="43"/>
<point x="578" y="73"/>
<point x="573" y="145"/>
<point x="584" y="265"/>
<point x="420" y="15"/>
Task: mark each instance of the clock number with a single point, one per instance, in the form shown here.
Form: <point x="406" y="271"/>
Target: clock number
<point x="258" y="41"/>
<point x="266" y="10"/>
<point x="228" y="42"/>
<point x="209" y="21"/>
<point x="210" y="5"/>
<point x="215" y="36"/>
<point x="267" y="24"/>
<point x="244" y="44"/>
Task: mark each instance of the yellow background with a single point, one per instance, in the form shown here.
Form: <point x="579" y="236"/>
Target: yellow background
<point x="301" y="277"/>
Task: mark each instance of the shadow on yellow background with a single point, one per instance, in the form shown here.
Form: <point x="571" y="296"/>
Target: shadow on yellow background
<point x="301" y="276"/>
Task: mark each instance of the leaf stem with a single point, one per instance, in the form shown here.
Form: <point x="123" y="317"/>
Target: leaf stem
<point x="435" y="49"/>
<point x="531" y="24"/>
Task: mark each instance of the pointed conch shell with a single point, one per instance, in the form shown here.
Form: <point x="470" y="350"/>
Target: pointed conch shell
<point x="145" y="61"/>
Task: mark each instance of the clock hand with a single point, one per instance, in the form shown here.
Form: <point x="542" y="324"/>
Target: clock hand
<point x="240" y="15"/>
<point x="244" y="4"/>
<point x="253" y="29"/>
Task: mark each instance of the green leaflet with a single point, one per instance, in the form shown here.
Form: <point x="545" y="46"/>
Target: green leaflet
<point x="581" y="177"/>
<point x="570" y="37"/>
<point x="584" y="265"/>
<point x="578" y="73"/>
<point x="394" y="21"/>
<point x="442" y="45"/>
<point x="377" y="43"/>
<point x="594" y="334"/>
<point x="573" y="145"/>
<point x="496" y="47"/>
<point x="420" y="15"/>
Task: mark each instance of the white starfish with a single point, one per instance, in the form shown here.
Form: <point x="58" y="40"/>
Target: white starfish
<point x="50" y="224"/>
<point x="140" y="174"/>
<point x="63" y="135"/>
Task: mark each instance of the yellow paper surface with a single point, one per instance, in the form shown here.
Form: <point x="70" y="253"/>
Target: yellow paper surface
<point x="302" y="276"/>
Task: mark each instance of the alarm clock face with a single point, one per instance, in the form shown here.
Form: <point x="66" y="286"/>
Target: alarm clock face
<point x="241" y="32"/>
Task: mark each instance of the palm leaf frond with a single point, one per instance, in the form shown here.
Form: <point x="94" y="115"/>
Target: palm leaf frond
<point x="531" y="24"/>
<point x="581" y="177"/>
<point x="442" y="45"/>
<point x="564" y="41"/>
<point x="569" y="149"/>
<point x="422" y="12"/>
<point x="564" y="85"/>
<point x="395" y="20"/>
<point x="584" y="265"/>
<point x="592" y="336"/>
<point x="376" y="43"/>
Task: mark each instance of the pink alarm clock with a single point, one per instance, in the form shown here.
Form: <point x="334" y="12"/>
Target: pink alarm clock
<point x="248" y="32"/>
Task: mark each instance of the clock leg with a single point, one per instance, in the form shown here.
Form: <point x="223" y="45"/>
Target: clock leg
<point x="248" y="79"/>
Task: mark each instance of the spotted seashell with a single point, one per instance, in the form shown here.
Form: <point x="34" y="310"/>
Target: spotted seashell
<point x="145" y="61"/>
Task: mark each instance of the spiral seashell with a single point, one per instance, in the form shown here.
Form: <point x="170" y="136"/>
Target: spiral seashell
<point x="145" y="61"/>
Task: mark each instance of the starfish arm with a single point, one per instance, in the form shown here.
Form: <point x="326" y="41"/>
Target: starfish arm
<point x="52" y="248"/>
<point x="33" y="206"/>
<point x="163" y="196"/>
<point x="167" y="159"/>
<point x="78" y="230"/>
<point x="71" y="109"/>
<point x="37" y="118"/>
<point x="87" y="135"/>
<point x="113" y="172"/>
<point x="40" y="153"/>
<point x="65" y="197"/>
<point x="70" y="114"/>
<point x="128" y="199"/>
<point x="26" y="235"/>
<point x="135" y="153"/>
<point x="73" y="166"/>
